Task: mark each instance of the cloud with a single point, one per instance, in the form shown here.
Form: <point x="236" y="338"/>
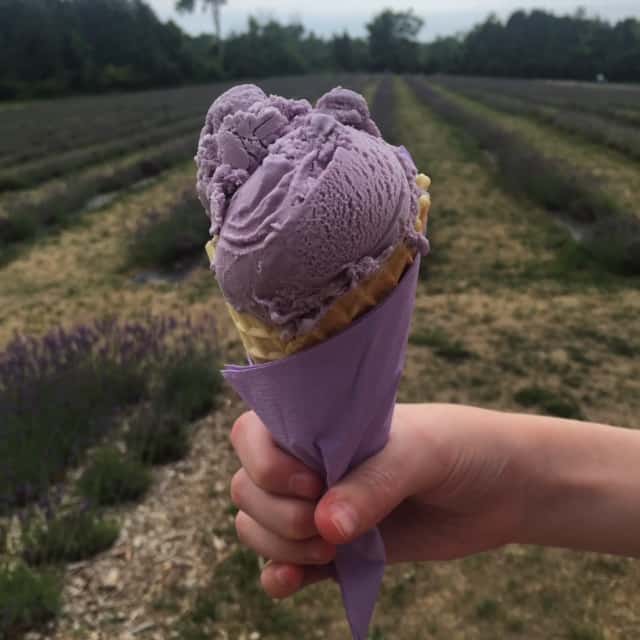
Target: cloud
<point x="330" y="16"/>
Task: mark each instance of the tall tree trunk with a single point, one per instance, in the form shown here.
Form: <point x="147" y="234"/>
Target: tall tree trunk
<point x="215" y="6"/>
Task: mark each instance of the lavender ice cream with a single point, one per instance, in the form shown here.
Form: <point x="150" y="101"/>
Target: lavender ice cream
<point x="304" y="202"/>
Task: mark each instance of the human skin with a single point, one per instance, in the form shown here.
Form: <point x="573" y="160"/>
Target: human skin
<point x="452" y="481"/>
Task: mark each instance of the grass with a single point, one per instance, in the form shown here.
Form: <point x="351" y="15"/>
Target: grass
<point x="598" y="129"/>
<point x="615" y="344"/>
<point x="517" y="319"/>
<point x="59" y="205"/>
<point x="487" y="609"/>
<point x="382" y="109"/>
<point x="157" y="437"/>
<point x="28" y="599"/>
<point x="164" y="239"/>
<point x="235" y="600"/>
<point x="72" y="537"/>
<point x="441" y="344"/>
<point x="112" y="478"/>
<point x="47" y="128"/>
<point x="190" y="385"/>
<point x="612" y="103"/>
<point x="550" y="402"/>
<point x="614" y="236"/>
<point x="474" y="303"/>
<point x="584" y="632"/>
<point x="28" y="175"/>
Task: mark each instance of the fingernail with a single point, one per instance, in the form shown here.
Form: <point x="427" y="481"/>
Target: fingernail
<point x="344" y="519"/>
<point x="303" y="485"/>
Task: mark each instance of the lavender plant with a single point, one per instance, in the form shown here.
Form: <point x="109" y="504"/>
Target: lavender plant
<point x="165" y="238"/>
<point x="61" y="393"/>
<point x="27" y="599"/>
<point x="614" y="233"/>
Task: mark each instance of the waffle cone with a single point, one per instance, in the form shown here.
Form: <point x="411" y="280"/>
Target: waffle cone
<point x="263" y="342"/>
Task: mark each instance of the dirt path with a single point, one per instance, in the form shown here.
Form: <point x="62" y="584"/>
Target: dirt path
<point x="166" y="551"/>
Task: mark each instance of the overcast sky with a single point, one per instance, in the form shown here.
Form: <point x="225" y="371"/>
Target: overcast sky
<point x="329" y="16"/>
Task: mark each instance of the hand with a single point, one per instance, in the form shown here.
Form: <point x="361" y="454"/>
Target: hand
<point x="442" y="488"/>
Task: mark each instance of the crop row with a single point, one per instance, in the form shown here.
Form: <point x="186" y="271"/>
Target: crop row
<point x="611" y="235"/>
<point x="617" y="103"/>
<point x="592" y="127"/>
<point x="59" y="205"/>
<point x="39" y="129"/>
<point x="58" y="165"/>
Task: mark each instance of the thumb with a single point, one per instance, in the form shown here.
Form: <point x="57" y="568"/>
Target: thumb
<point x="367" y="495"/>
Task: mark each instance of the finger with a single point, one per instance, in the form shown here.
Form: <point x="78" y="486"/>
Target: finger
<point x="283" y="580"/>
<point x="269" y="466"/>
<point x="372" y="490"/>
<point x="268" y="544"/>
<point x="290" y="518"/>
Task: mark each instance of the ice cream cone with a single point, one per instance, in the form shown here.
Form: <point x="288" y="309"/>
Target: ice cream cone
<point x="263" y="342"/>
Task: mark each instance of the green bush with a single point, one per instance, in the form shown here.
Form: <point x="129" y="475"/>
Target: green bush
<point x="190" y="386"/>
<point x="112" y="478"/>
<point x="163" y="239"/>
<point x="69" y="538"/>
<point x="487" y="609"/>
<point x="157" y="437"/>
<point x="63" y="392"/>
<point x="441" y="344"/>
<point x="27" y="599"/>
<point x="234" y="596"/>
<point x="549" y="402"/>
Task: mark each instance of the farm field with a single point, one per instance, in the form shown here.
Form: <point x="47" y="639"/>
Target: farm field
<point x="529" y="302"/>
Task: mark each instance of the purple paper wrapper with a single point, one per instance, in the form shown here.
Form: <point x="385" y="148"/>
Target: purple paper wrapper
<point x="331" y="407"/>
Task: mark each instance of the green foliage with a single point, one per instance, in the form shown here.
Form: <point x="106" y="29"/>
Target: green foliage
<point x="267" y="48"/>
<point x="441" y="344"/>
<point x="157" y="437"/>
<point x="614" y="235"/>
<point x="73" y="408"/>
<point x="111" y="478"/>
<point x="27" y="599"/>
<point x="190" y="386"/>
<point x="515" y="625"/>
<point x="539" y="44"/>
<point x="205" y="608"/>
<point x="72" y="537"/>
<point x="584" y="632"/>
<point x="392" y="41"/>
<point x="55" y="165"/>
<point x="235" y="596"/>
<point x="549" y="402"/>
<point x="61" y="207"/>
<point x="163" y="239"/>
<point x="52" y="47"/>
<point x="61" y="46"/>
<point x="487" y="609"/>
<point x="62" y="393"/>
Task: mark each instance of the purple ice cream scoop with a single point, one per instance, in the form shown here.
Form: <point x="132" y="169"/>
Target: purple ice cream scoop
<point x="305" y="202"/>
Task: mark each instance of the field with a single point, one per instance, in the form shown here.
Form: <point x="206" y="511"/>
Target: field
<point x="115" y="519"/>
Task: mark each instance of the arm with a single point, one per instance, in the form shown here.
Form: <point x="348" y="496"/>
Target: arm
<point x="583" y="484"/>
<point x="452" y="481"/>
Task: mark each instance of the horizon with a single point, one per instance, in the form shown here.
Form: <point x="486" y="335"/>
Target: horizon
<point x="334" y="16"/>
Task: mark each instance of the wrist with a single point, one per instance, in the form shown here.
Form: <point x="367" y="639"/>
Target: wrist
<point x="582" y="487"/>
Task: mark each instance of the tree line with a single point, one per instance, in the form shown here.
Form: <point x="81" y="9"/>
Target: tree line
<point x="54" y="47"/>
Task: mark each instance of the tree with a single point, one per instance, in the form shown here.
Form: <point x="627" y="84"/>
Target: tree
<point x="190" y="5"/>
<point x="392" y="40"/>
